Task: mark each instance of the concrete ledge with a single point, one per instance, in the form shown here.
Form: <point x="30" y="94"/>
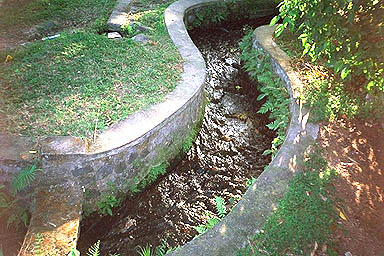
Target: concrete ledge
<point x="119" y="15"/>
<point x="259" y="201"/>
<point x="54" y="227"/>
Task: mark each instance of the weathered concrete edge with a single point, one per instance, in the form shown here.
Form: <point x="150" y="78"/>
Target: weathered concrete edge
<point x="259" y="201"/>
<point x="55" y="225"/>
<point x="119" y="15"/>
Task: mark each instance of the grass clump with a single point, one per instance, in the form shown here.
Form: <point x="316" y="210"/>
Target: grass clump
<point x="305" y="215"/>
<point x="83" y="82"/>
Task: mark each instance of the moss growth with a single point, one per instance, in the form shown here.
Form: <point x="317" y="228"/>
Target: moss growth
<point x="140" y="183"/>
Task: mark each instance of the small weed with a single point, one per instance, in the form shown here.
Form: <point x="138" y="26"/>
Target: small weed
<point x="37" y="250"/>
<point x="24" y="178"/>
<point x="211" y="219"/>
<point x="160" y="250"/>
<point x="9" y="205"/>
<point x="106" y="203"/>
<point x="146" y="251"/>
<point x="109" y="199"/>
<point x="94" y="250"/>
<point x="189" y="141"/>
<point x="154" y="173"/>
<point x="250" y="181"/>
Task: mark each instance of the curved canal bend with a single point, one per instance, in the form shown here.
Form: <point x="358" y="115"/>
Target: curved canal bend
<point x="227" y="152"/>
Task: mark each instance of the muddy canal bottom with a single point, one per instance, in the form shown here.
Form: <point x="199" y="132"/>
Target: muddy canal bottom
<point x="227" y="152"/>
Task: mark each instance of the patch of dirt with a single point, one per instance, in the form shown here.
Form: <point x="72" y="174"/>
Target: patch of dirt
<point x="355" y="150"/>
<point x="15" y="35"/>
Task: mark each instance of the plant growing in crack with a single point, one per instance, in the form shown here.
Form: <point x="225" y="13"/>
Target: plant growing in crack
<point x="109" y="199"/>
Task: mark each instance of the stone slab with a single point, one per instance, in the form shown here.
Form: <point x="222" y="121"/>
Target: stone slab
<point x="119" y="16"/>
<point x="54" y="226"/>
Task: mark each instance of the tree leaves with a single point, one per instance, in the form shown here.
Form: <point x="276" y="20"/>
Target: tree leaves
<point x="339" y="31"/>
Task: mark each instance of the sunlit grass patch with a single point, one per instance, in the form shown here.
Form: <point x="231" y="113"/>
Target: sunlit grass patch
<point x="305" y="216"/>
<point x="54" y="15"/>
<point x="82" y="82"/>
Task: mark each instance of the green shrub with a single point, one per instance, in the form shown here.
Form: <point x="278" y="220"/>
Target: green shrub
<point x="346" y="36"/>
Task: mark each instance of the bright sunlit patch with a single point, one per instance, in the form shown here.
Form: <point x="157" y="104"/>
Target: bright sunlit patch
<point x="223" y="229"/>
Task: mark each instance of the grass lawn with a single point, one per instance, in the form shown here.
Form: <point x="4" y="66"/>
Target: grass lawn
<point x="83" y="82"/>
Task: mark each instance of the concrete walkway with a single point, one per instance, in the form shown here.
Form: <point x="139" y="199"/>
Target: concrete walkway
<point x="54" y="226"/>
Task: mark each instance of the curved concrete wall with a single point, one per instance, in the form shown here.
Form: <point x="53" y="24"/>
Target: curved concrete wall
<point x="259" y="201"/>
<point x="124" y="153"/>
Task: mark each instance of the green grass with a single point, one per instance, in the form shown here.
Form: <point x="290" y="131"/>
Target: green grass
<point x="305" y="216"/>
<point x="83" y="82"/>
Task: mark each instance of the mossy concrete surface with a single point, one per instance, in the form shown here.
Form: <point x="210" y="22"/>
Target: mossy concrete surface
<point x="260" y="200"/>
<point x="54" y="227"/>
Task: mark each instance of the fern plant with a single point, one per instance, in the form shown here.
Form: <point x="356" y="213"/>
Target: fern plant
<point x="211" y="219"/>
<point x="275" y="96"/>
<point x="37" y="250"/>
<point x="9" y="205"/>
<point x="94" y="250"/>
<point x="24" y="178"/>
<point x="160" y="250"/>
<point x="220" y="207"/>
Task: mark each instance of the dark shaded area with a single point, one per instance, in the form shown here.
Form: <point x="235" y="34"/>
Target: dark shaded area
<point x="11" y="238"/>
<point x="227" y="152"/>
